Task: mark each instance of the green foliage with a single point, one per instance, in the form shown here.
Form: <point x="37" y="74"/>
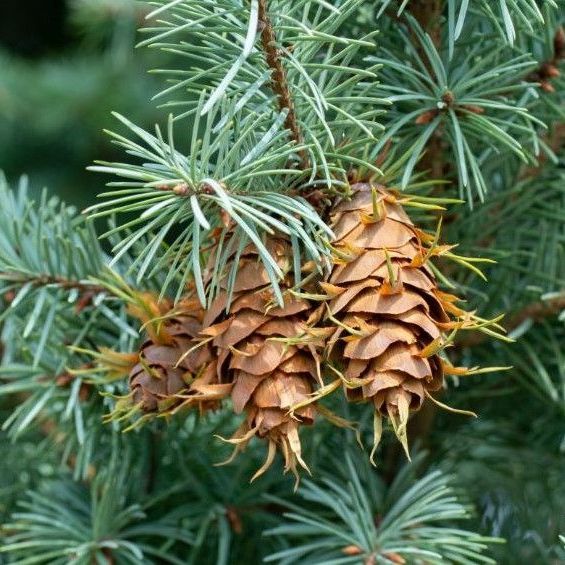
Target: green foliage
<point x="504" y="17"/>
<point x="351" y="516"/>
<point x="194" y="191"/>
<point x="48" y="258"/>
<point x="539" y="365"/>
<point x="22" y="466"/>
<point x="331" y="94"/>
<point x="521" y="496"/>
<point x="468" y="103"/>
<point x="473" y="99"/>
<point x="251" y="143"/>
<point x="67" y="522"/>
<point x="44" y="247"/>
<point x="522" y="227"/>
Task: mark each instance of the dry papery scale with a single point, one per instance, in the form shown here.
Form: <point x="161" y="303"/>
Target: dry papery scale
<point x="377" y="327"/>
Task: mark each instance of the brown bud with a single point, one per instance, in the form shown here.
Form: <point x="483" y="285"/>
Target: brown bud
<point x="181" y="189"/>
<point x="472" y="108"/>
<point x="395" y="558"/>
<point x="84" y="392"/>
<point x="547" y="86"/>
<point x="9" y="296"/>
<point x="234" y="519"/>
<point x="84" y="301"/>
<point x="448" y="97"/>
<point x="352" y="176"/>
<point x="547" y="71"/>
<point x="316" y="198"/>
<point x="426" y="117"/>
<point x="351" y="550"/>
<point x="107" y="552"/>
<point x="225" y="218"/>
<point x="64" y="380"/>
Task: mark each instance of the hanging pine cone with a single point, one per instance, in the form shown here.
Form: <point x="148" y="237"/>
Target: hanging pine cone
<point x="173" y="368"/>
<point x="164" y="368"/>
<point x="389" y="315"/>
<point x="268" y="353"/>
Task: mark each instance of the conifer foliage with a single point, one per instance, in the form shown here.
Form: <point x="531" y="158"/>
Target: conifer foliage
<point x="274" y="276"/>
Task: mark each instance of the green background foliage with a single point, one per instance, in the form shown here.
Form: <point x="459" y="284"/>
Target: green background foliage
<point x="469" y="115"/>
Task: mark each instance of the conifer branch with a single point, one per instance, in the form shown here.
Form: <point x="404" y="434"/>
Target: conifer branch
<point x="428" y="14"/>
<point x="39" y="280"/>
<point x="535" y="311"/>
<point x="279" y="81"/>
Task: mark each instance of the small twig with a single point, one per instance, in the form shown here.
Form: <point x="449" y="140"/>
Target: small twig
<point x="61" y="282"/>
<point x="535" y="311"/>
<point x="87" y="291"/>
<point x="428" y="14"/>
<point x="279" y="81"/>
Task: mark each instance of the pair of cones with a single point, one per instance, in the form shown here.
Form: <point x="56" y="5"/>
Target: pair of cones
<point x="378" y="331"/>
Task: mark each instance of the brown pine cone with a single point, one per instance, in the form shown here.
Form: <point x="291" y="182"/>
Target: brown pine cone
<point x="174" y="363"/>
<point x="268" y="353"/>
<point x="389" y="314"/>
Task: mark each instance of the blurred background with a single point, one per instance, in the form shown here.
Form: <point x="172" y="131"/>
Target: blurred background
<point x="64" y="66"/>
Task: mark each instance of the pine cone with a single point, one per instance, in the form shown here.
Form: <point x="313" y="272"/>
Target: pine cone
<point x="174" y="362"/>
<point x="268" y="353"/>
<point x="388" y="312"/>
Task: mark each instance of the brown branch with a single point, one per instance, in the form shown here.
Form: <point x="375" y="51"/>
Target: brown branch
<point x="62" y="282"/>
<point x="536" y="311"/>
<point x="279" y="81"/>
<point x="428" y="14"/>
<point x="86" y="290"/>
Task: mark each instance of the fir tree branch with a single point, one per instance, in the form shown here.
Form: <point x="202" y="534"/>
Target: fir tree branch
<point x="428" y="14"/>
<point x="535" y="311"/>
<point x="279" y="81"/>
<point x="363" y="522"/>
<point x="39" y="280"/>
